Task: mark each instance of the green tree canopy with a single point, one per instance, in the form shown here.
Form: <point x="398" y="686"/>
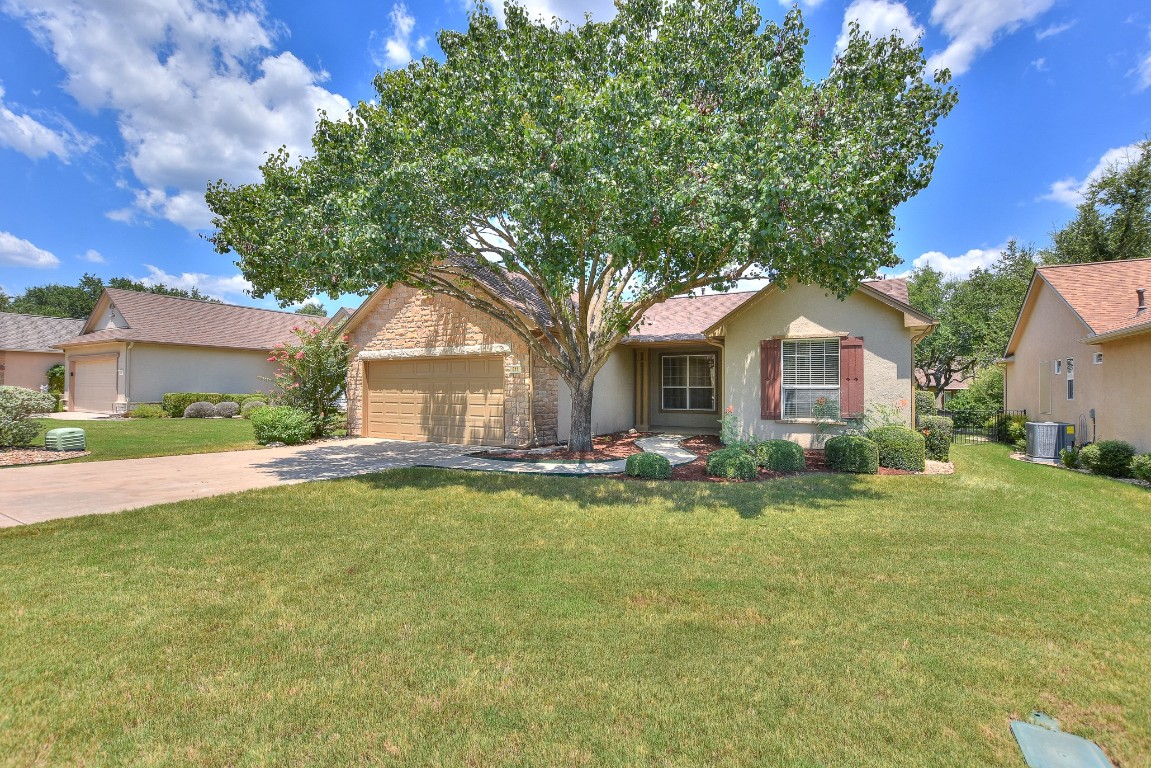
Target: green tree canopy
<point x="55" y="300"/>
<point x="564" y="179"/>
<point x="976" y="315"/>
<point x="312" y="308"/>
<point x="1114" y="219"/>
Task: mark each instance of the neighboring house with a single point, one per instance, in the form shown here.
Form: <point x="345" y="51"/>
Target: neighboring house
<point x="949" y="392"/>
<point x="26" y="351"/>
<point x="1081" y="350"/>
<point x="427" y="367"/>
<point x="136" y="346"/>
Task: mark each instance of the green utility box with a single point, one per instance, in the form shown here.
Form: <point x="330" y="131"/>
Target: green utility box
<point x="68" y="439"/>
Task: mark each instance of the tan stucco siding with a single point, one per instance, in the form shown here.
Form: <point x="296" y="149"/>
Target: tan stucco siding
<point x="613" y="399"/>
<point x="1124" y="413"/>
<point x="402" y="320"/>
<point x="807" y="312"/>
<point x="27" y="369"/>
<point x="1050" y="331"/>
<point x="154" y="369"/>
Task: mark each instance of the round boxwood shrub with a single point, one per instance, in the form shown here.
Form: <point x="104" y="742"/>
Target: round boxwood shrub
<point x="732" y="462"/>
<point x="937" y="432"/>
<point x="17" y="407"/>
<point x="147" y="411"/>
<point x="900" y="448"/>
<point x="1108" y="457"/>
<point x="780" y="456"/>
<point x="1141" y="467"/>
<point x="282" y="424"/>
<point x="925" y="404"/>
<point x="648" y="465"/>
<point x="251" y="406"/>
<point x="851" y="453"/>
<point x="200" y="410"/>
<point x="226" y="409"/>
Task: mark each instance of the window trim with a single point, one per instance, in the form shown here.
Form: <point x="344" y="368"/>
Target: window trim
<point x="1070" y="389"/>
<point x="783" y="386"/>
<point x="715" y="383"/>
<point x="1058" y="367"/>
<point x="1097" y="358"/>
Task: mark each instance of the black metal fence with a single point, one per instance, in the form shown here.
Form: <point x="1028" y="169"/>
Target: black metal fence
<point x="973" y="426"/>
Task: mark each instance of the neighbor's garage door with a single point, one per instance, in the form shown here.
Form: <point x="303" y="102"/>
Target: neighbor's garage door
<point x="438" y="400"/>
<point x="94" y="384"/>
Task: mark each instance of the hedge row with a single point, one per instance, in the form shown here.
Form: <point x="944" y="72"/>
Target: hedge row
<point x="175" y="403"/>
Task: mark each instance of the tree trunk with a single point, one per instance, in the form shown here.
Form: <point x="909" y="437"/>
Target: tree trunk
<point x="581" y="426"/>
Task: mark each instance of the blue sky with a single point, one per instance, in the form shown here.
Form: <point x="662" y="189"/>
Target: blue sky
<point x="115" y="114"/>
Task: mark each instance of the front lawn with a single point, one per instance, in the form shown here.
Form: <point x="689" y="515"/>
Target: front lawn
<point x="139" y="438"/>
<point x="426" y="617"/>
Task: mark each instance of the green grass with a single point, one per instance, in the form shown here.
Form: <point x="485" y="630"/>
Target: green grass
<point x="140" y="438"/>
<point x="424" y="617"/>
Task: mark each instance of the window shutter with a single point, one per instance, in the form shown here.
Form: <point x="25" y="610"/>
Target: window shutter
<point x="851" y="368"/>
<point x="769" y="379"/>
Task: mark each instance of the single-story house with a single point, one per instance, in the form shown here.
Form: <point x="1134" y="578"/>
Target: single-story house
<point x="26" y="351"/>
<point x="428" y="367"/>
<point x="1081" y="350"/>
<point x="136" y="346"/>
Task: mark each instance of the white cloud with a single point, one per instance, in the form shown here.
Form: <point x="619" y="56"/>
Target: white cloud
<point x="36" y="140"/>
<point x="1055" y="29"/>
<point x="197" y="91"/>
<point x="568" y="10"/>
<point x="1070" y="191"/>
<point x="961" y="265"/>
<point x="17" y="252"/>
<point x="216" y="286"/>
<point x="1040" y="64"/>
<point x="973" y="25"/>
<point x="398" y="46"/>
<point x="93" y="256"/>
<point x="879" y="18"/>
<point x="1143" y="73"/>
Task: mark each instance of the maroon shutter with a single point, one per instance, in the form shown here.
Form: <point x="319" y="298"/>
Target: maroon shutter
<point x="851" y="373"/>
<point x="769" y="379"/>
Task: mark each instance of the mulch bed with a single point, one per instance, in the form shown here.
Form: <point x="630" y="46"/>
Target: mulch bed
<point x="702" y="445"/>
<point x="604" y="448"/>
<point x="19" y="456"/>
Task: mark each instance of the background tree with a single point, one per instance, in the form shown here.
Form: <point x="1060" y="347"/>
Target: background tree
<point x="976" y="315"/>
<point x="1114" y="219"/>
<point x="55" y="300"/>
<point x="562" y="180"/>
<point x="312" y="308"/>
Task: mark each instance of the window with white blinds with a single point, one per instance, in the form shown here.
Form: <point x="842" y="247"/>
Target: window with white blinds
<point x="810" y="372"/>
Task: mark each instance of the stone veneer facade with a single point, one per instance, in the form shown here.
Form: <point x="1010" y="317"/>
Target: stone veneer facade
<point x="403" y="318"/>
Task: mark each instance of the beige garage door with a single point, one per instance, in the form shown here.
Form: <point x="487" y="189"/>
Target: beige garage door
<point x="94" y="384"/>
<point x="438" y="400"/>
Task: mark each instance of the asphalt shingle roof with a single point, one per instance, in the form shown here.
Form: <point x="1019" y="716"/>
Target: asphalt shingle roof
<point x="1103" y="293"/>
<point x="162" y="319"/>
<point x="685" y="318"/>
<point x="35" y="333"/>
<point x="892" y="287"/>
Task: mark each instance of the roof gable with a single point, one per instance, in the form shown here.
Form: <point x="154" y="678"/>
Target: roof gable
<point x="35" y="333"/>
<point x="1102" y="293"/>
<point x="159" y="319"/>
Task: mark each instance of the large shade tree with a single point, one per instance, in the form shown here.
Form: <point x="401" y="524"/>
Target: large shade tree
<point x="563" y="179"/>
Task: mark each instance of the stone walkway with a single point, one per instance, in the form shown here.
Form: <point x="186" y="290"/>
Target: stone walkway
<point x="665" y="445"/>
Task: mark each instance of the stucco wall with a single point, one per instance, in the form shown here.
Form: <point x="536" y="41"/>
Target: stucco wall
<point x="613" y="397"/>
<point x="402" y="318"/>
<point x="1125" y="412"/>
<point x="154" y="369"/>
<point x="807" y="312"/>
<point x="27" y="369"/>
<point x="1050" y="331"/>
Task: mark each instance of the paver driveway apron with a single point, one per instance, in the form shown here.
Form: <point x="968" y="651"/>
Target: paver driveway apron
<point x="37" y="493"/>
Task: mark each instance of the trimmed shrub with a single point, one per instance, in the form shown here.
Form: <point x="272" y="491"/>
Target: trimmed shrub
<point x="937" y="432"/>
<point x="1109" y="457"/>
<point x="733" y="463"/>
<point x="251" y="406"/>
<point x="852" y="453"/>
<point x="1141" y="467"/>
<point x="779" y="456"/>
<point x="282" y="424"/>
<point x="924" y="404"/>
<point x="226" y="409"/>
<point x="1070" y="456"/>
<point x="900" y="448"/>
<point x="55" y="378"/>
<point x="176" y="402"/>
<point x="648" y="465"/>
<point x="146" y="411"/>
<point x="200" y="411"/>
<point x="17" y="406"/>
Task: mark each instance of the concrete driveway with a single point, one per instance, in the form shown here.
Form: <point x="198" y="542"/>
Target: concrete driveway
<point x="37" y="493"/>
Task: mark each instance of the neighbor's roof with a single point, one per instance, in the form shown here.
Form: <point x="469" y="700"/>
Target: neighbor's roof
<point x="35" y="333"/>
<point x="685" y="318"/>
<point x="158" y="319"/>
<point x="1101" y="294"/>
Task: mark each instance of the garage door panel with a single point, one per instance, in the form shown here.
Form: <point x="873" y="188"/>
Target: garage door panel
<point x="94" y="385"/>
<point x="457" y="400"/>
